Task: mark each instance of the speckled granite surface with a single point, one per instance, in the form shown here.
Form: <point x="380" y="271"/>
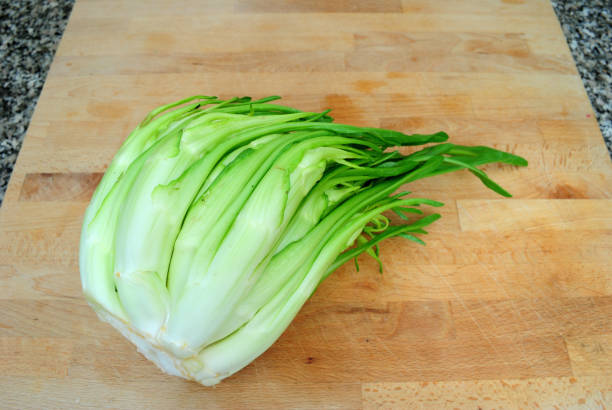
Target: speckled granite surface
<point x="31" y="29"/>
<point x="587" y="26"/>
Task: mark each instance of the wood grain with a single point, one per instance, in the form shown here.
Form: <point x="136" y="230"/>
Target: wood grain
<point x="59" y="186"/>
<point x="590" y="355"/>
<point x="547" y="393"/>
<point x="508" y="305"/>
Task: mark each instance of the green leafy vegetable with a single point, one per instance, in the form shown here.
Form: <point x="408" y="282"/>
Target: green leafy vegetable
<point x="217" y="220"/>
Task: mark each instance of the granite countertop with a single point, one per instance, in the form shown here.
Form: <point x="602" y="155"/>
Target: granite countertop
<point x="587" y="26"/>
<point x="30" y="31"/>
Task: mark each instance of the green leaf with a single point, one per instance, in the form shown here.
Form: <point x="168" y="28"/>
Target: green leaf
<point x="412" y="238"/>
<point x="480" y="175"/>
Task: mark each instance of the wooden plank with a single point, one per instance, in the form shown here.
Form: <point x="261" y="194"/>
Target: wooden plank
<point x="438" y="44"/>
<point x="357" y="109"/>
<point x="548" y="393"/>
<point x="318" y="6"/>
<point x="160" y="8"/>
<point x="87" y="8"/>
<point x="59" y="186"/>
<point x="413" y="342"/>
<point x="349" y="108"/>
<point x="482" y="247"/>
<point x="307" y="353"/>
<point x="92" y="28"/>
<point x="46" y="234"/>
<point x="379" y="352"/>
<point x="60" y="317"/>
<point x="51" y="217"/>
<point x="529" y="215"/>
<point x="22" y="392"/>
<point x="400" y="51"/>
<point x="170" y="86"/>
<point x="204" y="61"/>
<point x="483" y="280"/>
<point x="35" y="357"/>
<point x="482" y="7"/>
<point x="41" y="280"/>
<point x="590" y="355"/>
<point x="453" y="321"/>
<point x="267" y="60"/>
<point x="444" y="52"/>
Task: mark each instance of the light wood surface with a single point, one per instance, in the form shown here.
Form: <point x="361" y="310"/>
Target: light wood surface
<point x="508" y="306"/>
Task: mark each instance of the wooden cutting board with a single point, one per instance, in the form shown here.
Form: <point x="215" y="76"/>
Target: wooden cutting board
<point x="509" y="304"/>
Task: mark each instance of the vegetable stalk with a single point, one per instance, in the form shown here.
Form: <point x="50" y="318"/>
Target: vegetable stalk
<point x="217" y="220"/>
